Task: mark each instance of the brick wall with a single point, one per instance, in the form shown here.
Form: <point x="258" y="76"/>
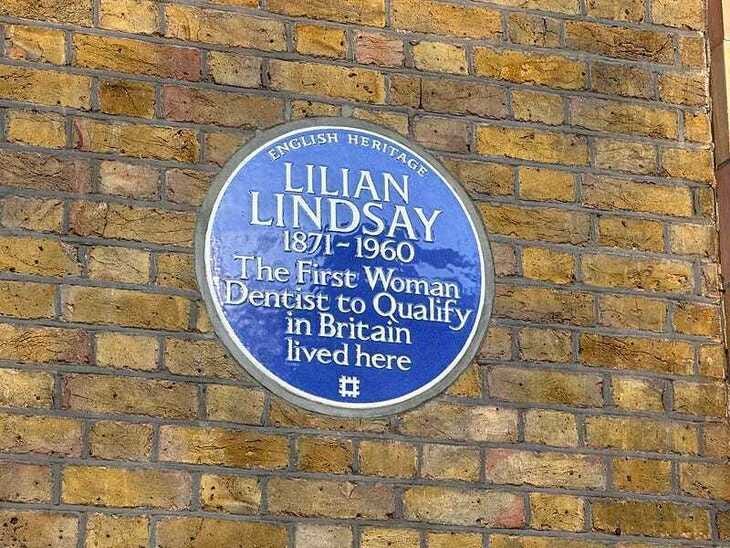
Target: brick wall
<point x="596" y="414"/>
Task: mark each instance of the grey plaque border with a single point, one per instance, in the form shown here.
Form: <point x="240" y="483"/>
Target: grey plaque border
<point x="341" y="123"/>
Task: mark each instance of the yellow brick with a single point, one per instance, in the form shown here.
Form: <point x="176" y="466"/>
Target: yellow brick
<point x="25" y="389"/>
<point x="692" y="51"/>
<point x="531" y="144"/>
<point x="309" y="109"/>
<point x="176" y="270"/>
<point x="694" y="165"/>
<point x="546" y="184"/>
<point x="184" y="532"/>
<point x="634" y="353"/>
<point x="609" y="193"/>
<point x="347" y="83"/>
<point x="538" y="386"/>
<point x="531" y="106"/>
<point x="230" y="494"/>
<point x="458" y="422"/>
<point x="203" y="358"/>
<point x="701" y="399"/>
<point x="44" y="435"/>
<point x="483" y="177"/>
<point x="32" y="214"/>
<point x="104" y="531"/>
<point x="127" y="98"/>
<point x="650" y="518"/>
<point x="530" y="30"/>
<point x="697" y="127"/>
<point x="24" y="483"/>
<point x="232" y="69"/>
<point x="551" y="428"/>
<point x="234" y="404"/>
<point x="131" y="180"/>
<point x="450" y="539"/>
<point x="123" y="351"/>
<point x="458" y="97"/>
<point x="547" y="265"/>
<point x="35" y="129"/>
<point x="393" y="120"/>
<point x="129" y="395"/>
<point x="558" y="6"/>
<point x="39" y="528"/>
<point x="618" y="155"/>
<point x="119" y="264"/>
<point x="442" y="134"/>
<point x="450" y="462"/>
<point x="625" y="10"/>
<point x="631" y="233"/>
<point x="29" y="170"/>
<point x="631" y="434"/>
<point x="545" y="345"/>
<point x="712" y="361"/>
<point x="45" y="87"/>
<point x="556" y="512"/>
<point x="325" y="455"/>
<point x="679" y="13"/>
<point x="367" y="12"/>
<point x="43" y="345"/>
<point x="282" y="414"/>
<point x="642" y="475"/>
<point x="319" y="40"/>
<point x="136" y="57"/>
<point x="120" y="441"/>
<point x="64" y="11"/>
<point x="547" y="224"/>
<point x="697" y="319"/>
<point x="223" y="447"/>
<point x="618" y="117"/>
<point x="530" y="68"/>
<point x="389" y="459"/>
<point x="537" y="304"/>
<point x="705" y="480"/>
<point x="125" y="307"/>
<point x="136" y="140"/>
<point x="27" y="300"/>
<point x="440" y="18"/>
<point x="630" y="273"/>
<point x="683" y="89"/>
<point x="619" y="79"/>
<point x="372" y="537"/>
<point x="372" y="48"/>
<point x="637" y="394"/>
<point x="137" y="16"/>
<point x="35" y="44"/>
<point x="126" y="488"/>
<point x="43" y="257"/>
<point x="620" y="42"/>
<point x="440" y="57"/>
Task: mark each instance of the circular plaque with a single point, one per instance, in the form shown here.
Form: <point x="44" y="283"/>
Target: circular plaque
<point x="344" y="267"/>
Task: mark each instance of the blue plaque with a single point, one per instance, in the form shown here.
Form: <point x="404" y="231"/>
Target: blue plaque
<point x="344" y="267"/>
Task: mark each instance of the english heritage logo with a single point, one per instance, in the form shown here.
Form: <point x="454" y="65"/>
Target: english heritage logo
<point x="344" y="268"/>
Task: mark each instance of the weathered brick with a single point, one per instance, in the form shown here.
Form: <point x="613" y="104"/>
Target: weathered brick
<point x="77" y="12"/>
<point x="450" y="462"/>
<point x="531" y="106"/>
<point x="128" y="395"/>
<point x="530" y="30"/>
<point x="176" y="270"/>
<point x="448" y="96"/>
<point x="631" y="233"/>
<point x="694" y="165"/>
<point x="683" y="89"/>
<point x="223" y="447"/>
<point x="320" y="40"/>
<point x="615" y="155"/>
<point x="373" y="48"/>
<point x="634" y="353"/>
<point x="25" y="389"/>
<point x="551" y="428"/>
<point x="230" y="494"/>
<point x="546" y="345"/>
<point x="42" y="172"/>
<point x="39" y="256"/>
<point x="221" y="108"/>
<point x="232" y="69"/>
<point x="632" y="434"/>
<point x="609" y="193"/>
<point x="692" y="51"/>
<point x="43" y="344"/>
<point x="282" y="414"/>
<point x="697" y="127"/>
<point x="619" y="117"/>
<point x="124" y="351"/>
<point x="367" y="12"/>
<point x="325" y="455"/>
<point x="24" y="483"/>
<point x="539" y="304"/>
<point x="547" y="265"/>
<point x="333" y="499"/>
<point x="393" y="120"/>
<point x="442" y="134"/>
<point x="27" y="300"/>
<point x="712" y="361"/>
<point x="630" y="273"/>
<point x="530" y="68"/>
<point x="389" y="459"/>
<point x="705" y="480"/>
<point x="185" y="532"/>
<point x="38" y="529"/>
<point x="558" y="6"/>
<point x="372" y="537"/>
<point x="637" y="394"/>
<point x="642" y="475"/>
<point x="32" y="214"/>
<point x="546" y="184"/>
<point x="627" y="10"/>
<point x="506" y="466"/>
<point x="124" y="307"/>
<point x="531" y="144"/>
<point x="36" y="129"/>
<point x="136" y="140"/>
<point x="521" y="385"/>
<point x="127" y="98"/>
<point x="105" y="531"/>
<point x="322" y="536"/>
<point x="483" y="177"/>
<point x="547" y="224"/>
<point x="136" y="16"/>
<point x="347" y="83"/>
<point x="717" y="440"/>
<point x="440" y="57"/>
<point x="234" y="404"/>
<point x="664" y="519"/>
<point x="679" y="13"/>
<point x="448" y="539"/>
<point x="556" y="512"/>
<point x="45" y="87"/>
<point x="44" y="435"/>
<point x="468" y="384"/>
<point x="130" y="180"/>
<point x="119" y="264"/>
<point x="703" y="399"/>
<point x="120" y="441"/>
<point x="620" y="42"/>
<point x="457" y="422"/>
<point x="441" y="18"/>
<point x="497" y="345"/>
<point x="204" y="358"/>
<point x="697" y="319"/>
<point x="126" y="488"/>
<point x="126" y="222"/>
<point x="619" y="79"/>
<point x="505" y="260"/>
<point x="475" y="508"/>
<point x="136" y="57"/>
